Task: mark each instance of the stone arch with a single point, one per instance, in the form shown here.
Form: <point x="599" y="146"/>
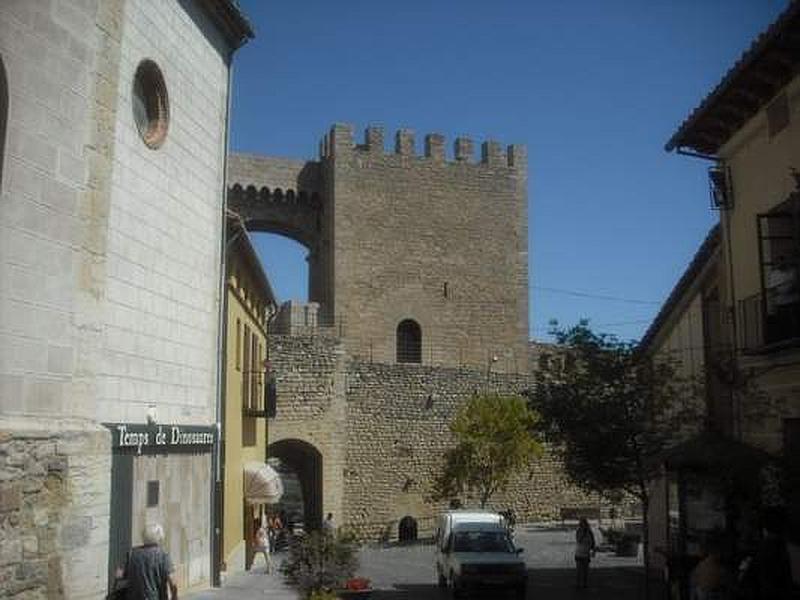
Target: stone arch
<point x="407" y="529"/>
<point x="305" y="460"/>
<point x="3" y="116"/>
<point x="409" y="342"/>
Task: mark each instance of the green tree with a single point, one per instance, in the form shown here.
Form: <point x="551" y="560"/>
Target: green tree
<point x="493" y="442"/>
<point x="610" y="412"/>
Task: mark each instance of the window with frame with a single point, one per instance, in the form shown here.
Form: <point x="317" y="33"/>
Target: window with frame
<point x="409" y="342"/>
<point x="238" y="344"/>
<point x="246" y="368"/>
<point x="779" y="257"/>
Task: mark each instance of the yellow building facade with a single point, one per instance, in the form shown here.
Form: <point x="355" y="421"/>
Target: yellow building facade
<point x="250" y="303"/>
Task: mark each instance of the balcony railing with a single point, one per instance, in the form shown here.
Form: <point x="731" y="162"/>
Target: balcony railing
<point x="768" y="321"/>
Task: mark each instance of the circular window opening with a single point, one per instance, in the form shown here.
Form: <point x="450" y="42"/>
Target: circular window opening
<point x="150" y="104"/>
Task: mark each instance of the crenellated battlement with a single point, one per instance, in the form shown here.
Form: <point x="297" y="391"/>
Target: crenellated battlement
<point x="339" y="142"/>
<point x="250" y="193"/>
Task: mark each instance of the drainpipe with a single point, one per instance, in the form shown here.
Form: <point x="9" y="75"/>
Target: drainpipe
<point x="221" y="373"/>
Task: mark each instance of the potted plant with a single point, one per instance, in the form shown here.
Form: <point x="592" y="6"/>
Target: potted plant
<point x="319" y="563"/>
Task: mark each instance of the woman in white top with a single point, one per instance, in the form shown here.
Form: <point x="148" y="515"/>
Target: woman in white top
<point x="261" y="544"/>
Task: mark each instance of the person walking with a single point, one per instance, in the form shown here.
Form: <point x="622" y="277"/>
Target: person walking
<point x="584" y="550"/>
<point x="327" y="525"/>
<point x="149" y="570"/>
<point x="261" y="545"/>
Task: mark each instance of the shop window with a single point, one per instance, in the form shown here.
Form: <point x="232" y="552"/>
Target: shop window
<point x="409" y="342"/>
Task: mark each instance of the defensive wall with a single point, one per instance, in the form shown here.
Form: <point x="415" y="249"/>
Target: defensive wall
<point x="382" y="430"/>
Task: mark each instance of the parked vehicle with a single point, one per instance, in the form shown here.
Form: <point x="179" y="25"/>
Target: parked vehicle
<point x="474" y="549"/>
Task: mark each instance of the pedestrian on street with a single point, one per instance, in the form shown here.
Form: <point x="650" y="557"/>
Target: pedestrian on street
<point x="711" y="579"/>
<point x="327" y="525"/>
<point x="149" y="570"/>
<point x="274" y="530"/>
<point x="768" y="576"/>
<point x="584" y="550"/>
<point x="261" y="545"/>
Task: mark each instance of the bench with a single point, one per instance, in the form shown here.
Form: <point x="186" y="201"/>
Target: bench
<point x="573" y="513"/>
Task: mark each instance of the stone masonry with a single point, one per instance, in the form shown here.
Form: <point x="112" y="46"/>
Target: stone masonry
<point x="382" y="430"/>
<point x="54" y="510"/>
<point x="394" y="236"/>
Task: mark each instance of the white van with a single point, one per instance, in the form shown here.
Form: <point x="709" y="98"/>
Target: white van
<point x="473" y="549"/>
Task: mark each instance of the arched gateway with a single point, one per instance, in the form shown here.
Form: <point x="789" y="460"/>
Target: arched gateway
<point x="305" y="461"/>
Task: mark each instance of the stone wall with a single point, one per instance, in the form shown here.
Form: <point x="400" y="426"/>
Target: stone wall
<point x="382" y="430"/>
<point x="393" y="235"/>
<point x="398" y="420"/>
<point x="310" y="378"/>
<point x="443" y="242"/>
<point x="54" y="510"/>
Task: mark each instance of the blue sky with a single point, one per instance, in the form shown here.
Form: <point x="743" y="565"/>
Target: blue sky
<point x="593" y="88"/>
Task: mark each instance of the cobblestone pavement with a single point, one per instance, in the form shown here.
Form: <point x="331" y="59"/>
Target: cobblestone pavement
<point x="407" y="572"/>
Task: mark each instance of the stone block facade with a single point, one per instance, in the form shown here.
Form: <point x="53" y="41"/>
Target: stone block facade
<point x="382" y="430"/>
<point x="393" y="236"/>
<point x="109" y="263"/>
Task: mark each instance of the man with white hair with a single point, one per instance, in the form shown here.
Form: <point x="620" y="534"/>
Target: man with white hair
<point x="149" y="568"/>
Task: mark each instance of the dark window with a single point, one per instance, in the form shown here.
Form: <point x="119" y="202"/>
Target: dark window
<point x="246" y="368"/>
<point x="152" y="493"/>
<point x="779" y="253"/>
<point x="778" y="115"/>
<point x="3" y="116"/>
<point x="409" y="342"/>
<point x="238" y="344"/>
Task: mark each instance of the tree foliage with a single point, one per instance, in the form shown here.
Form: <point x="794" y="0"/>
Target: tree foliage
<point x="610" y="412"/>
<point x="493" y="442"/>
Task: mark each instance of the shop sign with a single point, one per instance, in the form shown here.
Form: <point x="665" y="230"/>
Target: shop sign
<point x="161" y="438"/>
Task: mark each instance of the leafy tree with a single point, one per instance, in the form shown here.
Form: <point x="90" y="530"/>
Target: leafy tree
<point x="493" y="442"/>
<point x="610" y="412"/>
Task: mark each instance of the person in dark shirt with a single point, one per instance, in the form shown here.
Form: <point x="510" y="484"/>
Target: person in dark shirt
<point x="149" y="569"/>
<point x="768" y="575"/>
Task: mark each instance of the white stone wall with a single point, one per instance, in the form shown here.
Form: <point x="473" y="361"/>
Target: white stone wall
<point x="48" y="49"/>
<point x="161" y="311"/>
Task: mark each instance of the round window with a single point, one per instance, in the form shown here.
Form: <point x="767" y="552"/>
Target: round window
<point x="150" y="104"/>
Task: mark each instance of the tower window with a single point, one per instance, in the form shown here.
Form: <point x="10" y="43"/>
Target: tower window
<point x="409" y="342"/>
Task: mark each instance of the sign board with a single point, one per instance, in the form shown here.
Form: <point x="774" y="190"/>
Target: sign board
<point x="161" y="439"/>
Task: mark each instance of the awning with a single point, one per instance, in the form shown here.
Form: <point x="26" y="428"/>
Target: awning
<point x="262" y="484"/>
<point x="718" y="455"/>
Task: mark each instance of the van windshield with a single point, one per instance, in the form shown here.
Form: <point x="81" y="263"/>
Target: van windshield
<point x="482" y="541"/>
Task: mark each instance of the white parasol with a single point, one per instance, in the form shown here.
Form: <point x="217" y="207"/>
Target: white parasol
<point x="262" y="484"/>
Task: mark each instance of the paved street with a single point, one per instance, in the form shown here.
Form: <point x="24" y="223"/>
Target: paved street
<point x="407" y="572"/>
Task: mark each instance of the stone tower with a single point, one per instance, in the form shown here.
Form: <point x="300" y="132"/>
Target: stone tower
<point x="412" y="258"/>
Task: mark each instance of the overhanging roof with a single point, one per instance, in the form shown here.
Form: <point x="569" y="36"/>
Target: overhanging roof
<point x="763" y="70"/>
<point x="230" y="19"/>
